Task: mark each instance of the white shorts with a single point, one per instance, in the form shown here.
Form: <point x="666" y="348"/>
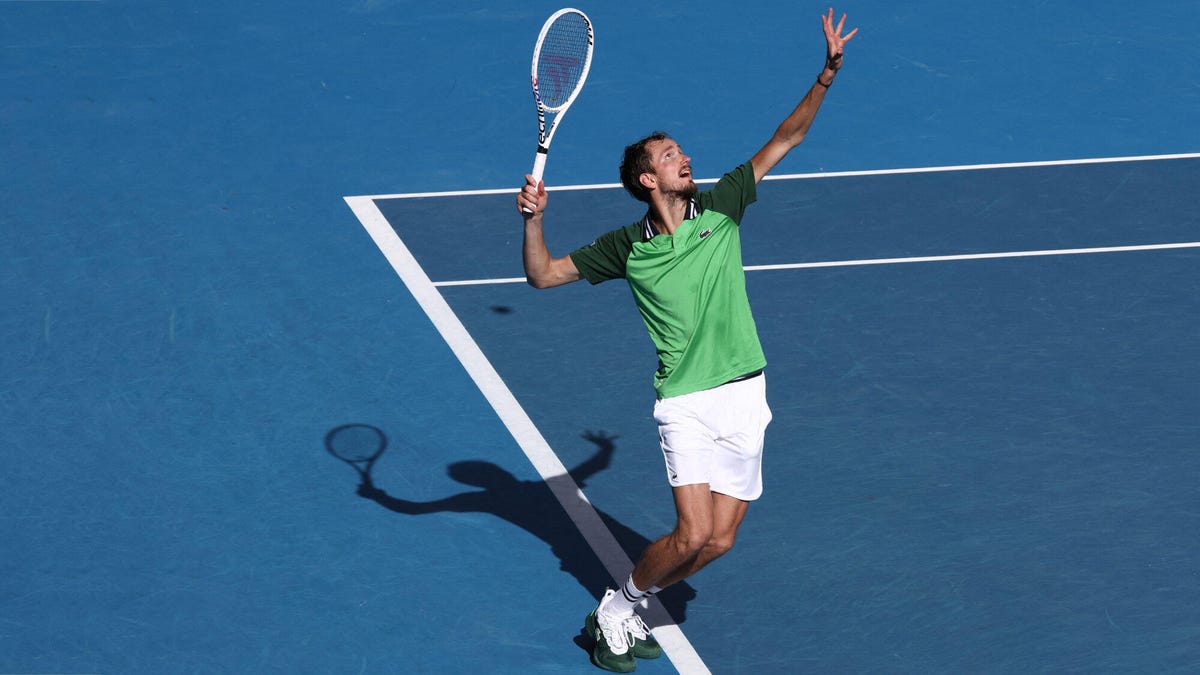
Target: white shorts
<point x="715" y="436"/>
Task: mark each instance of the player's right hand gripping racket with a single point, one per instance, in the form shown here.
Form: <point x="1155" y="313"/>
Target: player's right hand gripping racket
<point x="561" y="59"/>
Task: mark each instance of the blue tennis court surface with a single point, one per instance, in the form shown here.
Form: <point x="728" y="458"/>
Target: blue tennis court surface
<point x="972" y="427"/>
<point x="984" y="374"/>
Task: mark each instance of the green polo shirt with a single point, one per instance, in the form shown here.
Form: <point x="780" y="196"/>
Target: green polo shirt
<point x="689" y="287"/>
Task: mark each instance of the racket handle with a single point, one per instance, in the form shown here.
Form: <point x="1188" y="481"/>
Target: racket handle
<point x="539" y="167"/>
<point x="539" y="163"/>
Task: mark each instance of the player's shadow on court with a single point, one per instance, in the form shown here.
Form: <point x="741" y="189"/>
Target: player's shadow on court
<point x="529" y="505"/>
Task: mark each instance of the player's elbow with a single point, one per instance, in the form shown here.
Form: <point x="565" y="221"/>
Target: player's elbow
<point x="556" y="272"/>
<point x="542" y="278"/>
<point x="548" y="280"/>
<point x="537" y="282"/>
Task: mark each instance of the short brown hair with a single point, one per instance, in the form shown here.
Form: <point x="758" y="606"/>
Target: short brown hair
<point x="637" y="162"/>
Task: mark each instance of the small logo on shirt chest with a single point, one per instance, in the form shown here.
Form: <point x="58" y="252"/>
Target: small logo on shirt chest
<point x="705" y="233"/>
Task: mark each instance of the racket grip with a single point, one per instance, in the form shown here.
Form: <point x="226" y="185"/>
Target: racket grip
<point x="539" y="163"/>
<point x="539" y="167"/>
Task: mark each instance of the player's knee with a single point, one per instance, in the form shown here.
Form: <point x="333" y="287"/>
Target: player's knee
<point x="690" y="541"/>
<point x="719" y="545"/>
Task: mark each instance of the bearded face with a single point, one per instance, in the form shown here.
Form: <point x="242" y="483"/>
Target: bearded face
<point x="672" y="169"/>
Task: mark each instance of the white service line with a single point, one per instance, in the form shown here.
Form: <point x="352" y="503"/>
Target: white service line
<point x="675" y="644"/>
<point x="973" y="256"/>
<point x="896" y="261"/>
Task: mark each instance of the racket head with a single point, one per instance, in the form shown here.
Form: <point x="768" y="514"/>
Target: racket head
<point x="356" y="443"/>
<point x="562" y="58"/>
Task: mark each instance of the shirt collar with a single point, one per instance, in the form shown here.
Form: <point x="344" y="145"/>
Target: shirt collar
<point x="648" y="231"/>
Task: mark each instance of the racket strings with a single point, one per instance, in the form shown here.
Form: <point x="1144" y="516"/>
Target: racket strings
<point x="562" y="59"/>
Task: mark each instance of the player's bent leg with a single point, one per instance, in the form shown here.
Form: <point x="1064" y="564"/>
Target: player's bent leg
<point x="728" y="514"/>
<point x="693" y="529"/>
<point x="620" y="635"/>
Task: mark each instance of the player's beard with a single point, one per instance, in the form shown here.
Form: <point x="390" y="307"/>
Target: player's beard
<point x="686" y="192"/>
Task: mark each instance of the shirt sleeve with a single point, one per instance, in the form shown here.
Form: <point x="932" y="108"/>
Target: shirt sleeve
<point x="733" y="193"/>
<point x="604" y="259"/>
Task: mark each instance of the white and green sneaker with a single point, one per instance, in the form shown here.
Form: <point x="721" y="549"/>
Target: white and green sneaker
<point x="641" y="643"/>
<point x="612" y="649"/>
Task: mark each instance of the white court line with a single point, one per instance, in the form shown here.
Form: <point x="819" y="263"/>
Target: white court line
<point x="893" y="261"/>
<point x="975" y="256"/>
<point x="675" y="644"/>
<point x="831" y="174"/>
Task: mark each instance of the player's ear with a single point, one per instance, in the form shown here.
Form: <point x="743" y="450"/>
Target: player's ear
<point x="648" y="181"/>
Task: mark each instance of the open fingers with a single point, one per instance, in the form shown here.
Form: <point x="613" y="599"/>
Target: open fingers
<point x="833" y="34"/>
<point x="836" y="32"/>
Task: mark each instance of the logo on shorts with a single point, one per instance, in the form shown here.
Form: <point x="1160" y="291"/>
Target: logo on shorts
<point x="705" y="233"/>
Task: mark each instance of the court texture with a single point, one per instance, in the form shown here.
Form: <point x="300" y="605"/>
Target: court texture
<point x="237" y="238"/>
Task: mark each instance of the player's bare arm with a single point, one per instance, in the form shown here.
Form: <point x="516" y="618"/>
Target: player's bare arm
<point x="542" y="270"/>
<point x="792" y="130"/>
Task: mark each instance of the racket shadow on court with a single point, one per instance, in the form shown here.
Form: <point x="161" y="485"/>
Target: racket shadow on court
<point x="529" y="505"/>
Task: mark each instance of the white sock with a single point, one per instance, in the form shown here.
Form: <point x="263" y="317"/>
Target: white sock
<point x="624" y="600"/>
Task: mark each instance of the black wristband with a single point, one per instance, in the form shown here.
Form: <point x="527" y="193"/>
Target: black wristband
<point x="822" y="83"/>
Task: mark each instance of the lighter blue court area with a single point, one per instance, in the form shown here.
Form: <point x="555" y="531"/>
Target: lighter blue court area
<point x="984" y="379"/>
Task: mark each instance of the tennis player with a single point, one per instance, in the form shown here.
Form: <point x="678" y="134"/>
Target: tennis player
<point x="683" y="264"/>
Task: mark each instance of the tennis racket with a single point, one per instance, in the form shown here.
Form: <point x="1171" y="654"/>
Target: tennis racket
<point x="561" y="59"/>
